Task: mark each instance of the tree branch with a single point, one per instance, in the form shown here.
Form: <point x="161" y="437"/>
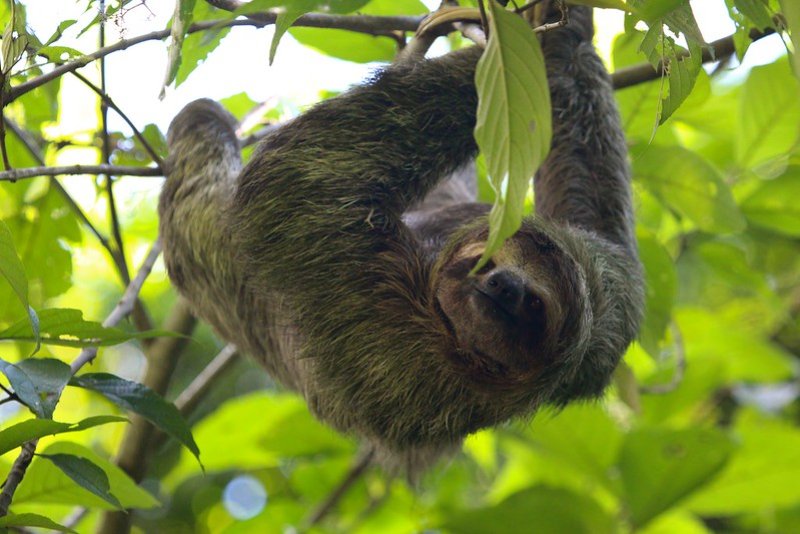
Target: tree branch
<point x="371" y="25"/>
<point x="30" y="172"/>
<point x="132" y="457"/>
<point x="644" y="72"/>
<point x="352" y="476"/>
<point x="123" y="308"/>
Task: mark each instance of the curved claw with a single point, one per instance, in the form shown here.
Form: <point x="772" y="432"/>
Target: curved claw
<point x="446" y="15"/>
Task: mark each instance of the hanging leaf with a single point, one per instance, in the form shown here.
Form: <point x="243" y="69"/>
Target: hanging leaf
<point x="40" y="382"/>
<point x="142" y="400"/>
<point x="68" y="328"/>
<point x="86" y="474"/>
<point x="15" y="435"/>
<point x="12" y="270"/>
<point x="181" y="20"/>
<point x="659" y="467"/>
<point x="33" y="520"/>
<point x="691" y="186"/>
<point x="514" y="125"/>
<point x="46" y="483"/>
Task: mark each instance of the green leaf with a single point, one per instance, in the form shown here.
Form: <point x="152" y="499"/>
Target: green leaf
<point x="359" y="47"/>
<point x="762" y="476"/>
<point x="32" y="520"/>
<point x="681" y="76"/>
<point x="688" y="184"/>
<point x="285" y="430"/>
<point x="40" y="380"/>
<point x="45" y="483"/>
<point x="513" y="126"/>
<point x="661" y="282"/>
<point x="15" y="38"/>
<point x="791" y="12"/>
<point x="540" y="509"/>
<point x="655" y="10"/>
<point x="15" y="435"/>
<point x="62" y="27"/>
<point x="774" y="205"/>
<point x="757" y="12"/>
<point x="605" y="4"/>
<point x="12" y="270"/>
<point x="66" y="327"/>
<point x="660" y="467"/>
<point x="181" y="20"/>
<point x="770" y="118"/>
<point x="86" y="474"/>
<point x="143" y="401"/>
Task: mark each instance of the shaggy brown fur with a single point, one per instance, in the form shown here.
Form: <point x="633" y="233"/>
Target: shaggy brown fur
<point x="315" y="260"/>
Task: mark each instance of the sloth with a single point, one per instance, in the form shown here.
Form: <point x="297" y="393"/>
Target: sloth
<point x="341" y="257"/>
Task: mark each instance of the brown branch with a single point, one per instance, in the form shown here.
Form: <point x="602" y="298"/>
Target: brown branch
<point x="368" y="24"/>
<point x="196" y="391"/>
<point x="359" y="467"/>
<point x="140" y="316"/>
<point x="30" y="172"/>
<point x="124" y="306"/>
<point x="16" y="475"/>
<point x="644" y="72"/>
<point x="86" y="355"/>
<point x="132" y="457"/>
<point x="110" y="103"/>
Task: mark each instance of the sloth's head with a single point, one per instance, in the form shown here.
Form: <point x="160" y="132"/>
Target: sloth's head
<point x="520" y="315"/>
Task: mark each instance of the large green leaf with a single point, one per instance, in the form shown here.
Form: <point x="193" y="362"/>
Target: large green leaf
<point x="514" y="125"/>
<point x="142" y="400"/>
<point x="276" y="427"/>
<point x="688" y="184"/>
<point x="181" y="20"/>
<point x="660" y="467"/>
<point x="68" y="328"/>
<point x="540" y="509"/>
<point x="742" y="354"/>
<point x="775" y="205"/>
<point x="86" y="474"/>
<point x="13" y="271"/>
<point x="762" y="476"/>
<point x="791" y="13"/>
<point x="33" y="520"/>
<point x="45" y="483"/>
<point x="770" y="114"/>
<point x="14" y="436"/>
<point x="38" y="382"/>
<point x="661" y="281"/>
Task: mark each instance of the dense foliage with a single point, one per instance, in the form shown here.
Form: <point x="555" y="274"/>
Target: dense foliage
<point x="700" y="433"/>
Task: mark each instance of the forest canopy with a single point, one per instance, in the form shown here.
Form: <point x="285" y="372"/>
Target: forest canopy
<point x="120" y="410"/>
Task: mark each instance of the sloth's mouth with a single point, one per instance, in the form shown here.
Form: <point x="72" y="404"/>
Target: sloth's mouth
<point x="492" y="305"/>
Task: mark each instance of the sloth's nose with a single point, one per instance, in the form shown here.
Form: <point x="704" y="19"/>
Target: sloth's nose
<point x="506" y="289"/>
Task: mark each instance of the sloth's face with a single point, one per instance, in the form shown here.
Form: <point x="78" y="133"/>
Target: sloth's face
<point x="507" y="316"/>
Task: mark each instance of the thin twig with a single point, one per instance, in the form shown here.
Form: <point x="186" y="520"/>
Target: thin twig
<point x="86" y="355"/>
<point x="645" y="72"/>
<point x="107" y="101"/>
<point x="124" y="306"/>
<point x="527" y="6"/>
<point x="196" y="391"/>
<point x="31" y="172"/>
<point x="358" y="23"/>
<point x="16" y="475"/>
<point x="133" y="457"/>
<point x="198" y="388"/>
<point x="355" y="472"/>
